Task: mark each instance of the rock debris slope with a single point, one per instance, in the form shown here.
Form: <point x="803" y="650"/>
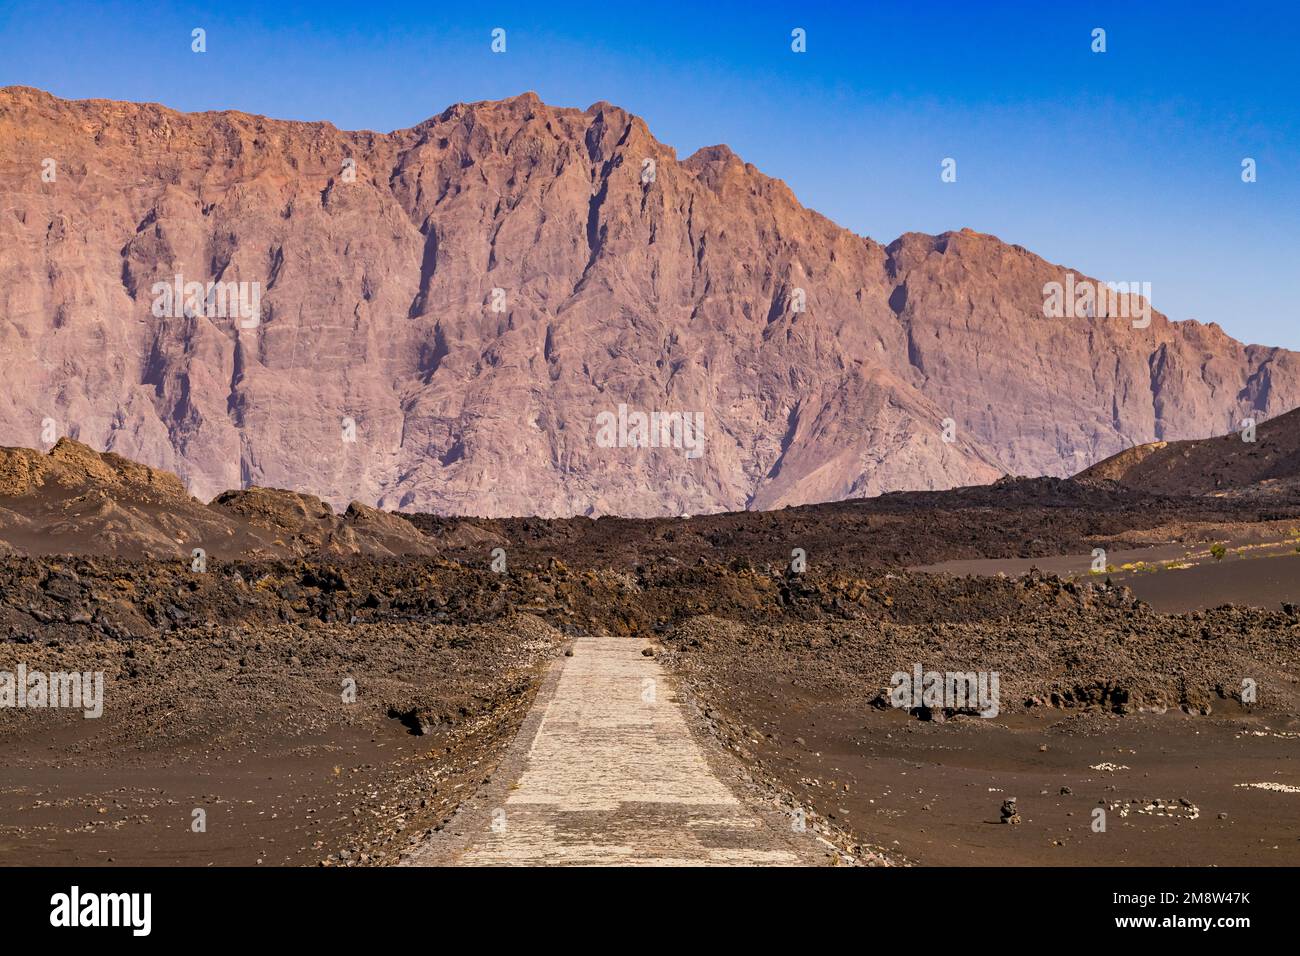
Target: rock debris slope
<point x="1263" y="462"/>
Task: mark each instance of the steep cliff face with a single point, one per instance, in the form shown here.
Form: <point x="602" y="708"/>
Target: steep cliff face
<point x="442" y="318"/>
<point x="1051" y="396"/>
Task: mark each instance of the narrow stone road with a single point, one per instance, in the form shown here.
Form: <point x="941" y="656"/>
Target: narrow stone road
<point x="607" y="772"/>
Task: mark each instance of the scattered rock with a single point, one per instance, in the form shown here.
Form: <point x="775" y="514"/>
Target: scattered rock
<point x="1009" y="812"/>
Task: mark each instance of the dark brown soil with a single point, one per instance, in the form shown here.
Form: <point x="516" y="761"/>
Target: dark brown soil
<point x="1252" y="572"/>
<point x="224" y="685"/>
<point x="931" y="793"/>
<point x="250" y="725"/>
<point x="1022" y="517"/>
<point x="1088" y="678"/>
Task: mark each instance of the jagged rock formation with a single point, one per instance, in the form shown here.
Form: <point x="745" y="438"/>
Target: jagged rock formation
<point x="444" y="313"/>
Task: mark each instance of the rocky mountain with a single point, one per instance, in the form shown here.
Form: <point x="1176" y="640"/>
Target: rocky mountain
<point x="473" y="316"/>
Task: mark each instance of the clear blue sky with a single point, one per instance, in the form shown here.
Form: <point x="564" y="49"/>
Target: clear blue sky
<point x="1125" y="165"/>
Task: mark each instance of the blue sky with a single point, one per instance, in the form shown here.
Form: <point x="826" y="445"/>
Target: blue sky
<point x="1125" y="165"/>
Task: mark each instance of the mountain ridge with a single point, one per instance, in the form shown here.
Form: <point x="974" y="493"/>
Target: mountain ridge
<point x="676" y="293"/>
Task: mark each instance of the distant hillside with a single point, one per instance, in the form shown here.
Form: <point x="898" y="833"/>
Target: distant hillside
<point x="1211" y="465"/>
<point x="76" y="500"/>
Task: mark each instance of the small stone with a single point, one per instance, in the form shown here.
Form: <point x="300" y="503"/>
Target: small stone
<point x="1009" y="812"/>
